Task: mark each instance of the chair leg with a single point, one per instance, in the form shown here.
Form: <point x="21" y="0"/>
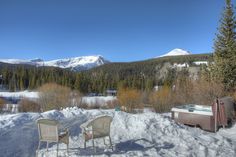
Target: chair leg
<point x="57" y="149"/>
<point x="38" y="148"/>
<point x="104" y="141"/>
<point x="47" y="146"/>
<point x="110" y="143"/>
<point x="93" y="146"/>
<point x="84" y="144"/>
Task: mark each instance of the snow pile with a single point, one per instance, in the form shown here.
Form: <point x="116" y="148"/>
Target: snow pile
<point x="176" y="52"/>
<point x="146" y="134"/>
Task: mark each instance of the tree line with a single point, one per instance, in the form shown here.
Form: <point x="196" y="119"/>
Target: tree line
<point x="142" y="75"/>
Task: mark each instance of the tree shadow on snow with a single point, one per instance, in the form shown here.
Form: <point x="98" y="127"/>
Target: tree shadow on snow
<point x="122" y="148"/>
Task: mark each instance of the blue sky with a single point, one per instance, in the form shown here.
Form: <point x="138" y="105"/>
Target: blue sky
<point x="119" y="30"/>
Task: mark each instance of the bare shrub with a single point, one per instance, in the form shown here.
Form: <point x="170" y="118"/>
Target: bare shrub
<point x="84" y="106"/>
<point x="29" y="106"/>
<point x="182" y="92"/>
<point x="96" y="105"/>
<point x="145" y="97"/>
<point x="54" y="96"/>
<point x="130" y="98"/>
<point x="233" y="94"/>
<point x="205" y="92"/>
<point x="161" y="100"/>
<point x="2" y="103"/>
<point x="186" y="91"/>
<point x="76" y="98"/>
<point x="89" y="106"/>
<point x="112" y="104"/>
<point x="200" y="91"/>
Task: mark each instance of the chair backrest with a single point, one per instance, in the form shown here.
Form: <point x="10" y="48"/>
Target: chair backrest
<point x="101" y="126"/>
<point x="48" y="130"/>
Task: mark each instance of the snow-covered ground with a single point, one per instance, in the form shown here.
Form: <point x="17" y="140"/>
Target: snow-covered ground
<point x="98" y="100"/>
<point x="101" y="100"/>
<point x="20" y="94"/>
<point x="146" y="134"/>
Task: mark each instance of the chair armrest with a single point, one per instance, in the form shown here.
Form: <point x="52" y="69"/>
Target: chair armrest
<point x="65" y="131"/>
<point x="86" y="126"/>
<point x="64" y="136"/>
<point x="83" y="126"/>
<point x="87" y="131"/>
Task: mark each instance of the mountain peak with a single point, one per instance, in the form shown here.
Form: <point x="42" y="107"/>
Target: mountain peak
<point x="176" y="52"/>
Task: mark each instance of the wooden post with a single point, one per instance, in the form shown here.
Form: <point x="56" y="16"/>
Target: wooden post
<point x="216" y="114"/>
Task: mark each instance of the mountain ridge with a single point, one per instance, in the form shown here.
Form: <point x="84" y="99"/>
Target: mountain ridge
<point x="82" y="63"/>
<point x="74" y="63"/>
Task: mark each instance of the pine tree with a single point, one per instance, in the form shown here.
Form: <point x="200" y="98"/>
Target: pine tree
<point x="224" y="68"/>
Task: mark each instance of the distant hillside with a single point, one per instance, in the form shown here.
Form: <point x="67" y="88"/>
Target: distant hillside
<point x="151" y="64"/>
<point x="142" y="75"/>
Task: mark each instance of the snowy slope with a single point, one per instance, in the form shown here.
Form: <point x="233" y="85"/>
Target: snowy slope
<point x="146" y="134"/>
<point x="176" y="52"/>
<point x="76" y="63"/>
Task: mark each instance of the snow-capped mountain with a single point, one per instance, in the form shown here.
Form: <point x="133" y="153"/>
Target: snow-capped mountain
<point x="76" y="63"/>
<point x="176" y="52"/>
<point x="16" y="61"/>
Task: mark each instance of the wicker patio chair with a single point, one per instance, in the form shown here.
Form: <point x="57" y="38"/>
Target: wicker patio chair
<point x="48" y="132"/>
<point x="97" y="128"/>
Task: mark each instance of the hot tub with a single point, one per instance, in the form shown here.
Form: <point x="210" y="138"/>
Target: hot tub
<point x="194" y="115"/>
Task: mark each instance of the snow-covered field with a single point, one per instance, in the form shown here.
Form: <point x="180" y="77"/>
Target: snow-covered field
<point x="20" y="94"/>
<point x="90" y="101"/>
<point x="146" y="134"/>
<point x="98" y="100"/>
